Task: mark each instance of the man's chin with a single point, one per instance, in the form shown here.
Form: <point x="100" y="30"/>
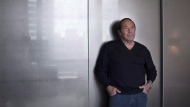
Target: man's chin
<point x="129" y="40"/>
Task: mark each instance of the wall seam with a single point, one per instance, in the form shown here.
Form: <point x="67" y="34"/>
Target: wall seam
<point x="161" y="55"/>
<point x="88" y="50"/>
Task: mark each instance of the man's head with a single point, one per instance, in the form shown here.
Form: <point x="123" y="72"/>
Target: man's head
<point x="127" y="29"/>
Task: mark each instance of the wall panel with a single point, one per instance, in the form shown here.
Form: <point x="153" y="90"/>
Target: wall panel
<point x="103" y="14"/>
<point x="49" y="48"/>
<point x="43" y="53"/>
<point x="176" y="53"/>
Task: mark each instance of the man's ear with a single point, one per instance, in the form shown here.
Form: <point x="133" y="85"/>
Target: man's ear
<point x="119" y="32"/>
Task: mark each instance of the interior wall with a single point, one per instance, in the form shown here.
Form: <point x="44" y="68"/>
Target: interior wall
<point x="176" y="53"/>
<point x="103" y="14"/>
<point x="43" y="53"/>
<point x="49" y="49"/>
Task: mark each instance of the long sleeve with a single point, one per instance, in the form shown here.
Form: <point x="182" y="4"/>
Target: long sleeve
<point x="150" y="67"/>
<point x="102" y="66"/>
<point x="123" y="68"/>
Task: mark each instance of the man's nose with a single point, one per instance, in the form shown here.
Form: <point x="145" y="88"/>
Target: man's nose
<point x="129" y="30"/>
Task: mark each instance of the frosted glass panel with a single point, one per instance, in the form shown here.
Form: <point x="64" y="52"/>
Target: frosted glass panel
<point x="44" y="53"/>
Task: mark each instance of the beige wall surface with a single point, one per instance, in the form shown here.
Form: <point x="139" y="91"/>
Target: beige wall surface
<point x="176" y="53"/>
<point x="102" y="16"/>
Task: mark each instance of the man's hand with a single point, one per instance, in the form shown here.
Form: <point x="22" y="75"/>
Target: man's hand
<point x="112" y="90"/>
<point x="146" y="88"/>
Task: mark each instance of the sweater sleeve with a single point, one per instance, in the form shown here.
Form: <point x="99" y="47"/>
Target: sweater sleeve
<point x="102" y="66"/>
<point x="150" y="67"/>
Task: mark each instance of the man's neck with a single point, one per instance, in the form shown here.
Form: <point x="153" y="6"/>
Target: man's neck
<point x="128" y="43"/>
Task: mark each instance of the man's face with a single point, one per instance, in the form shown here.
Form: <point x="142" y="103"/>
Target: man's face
<point x="127" y="31"/>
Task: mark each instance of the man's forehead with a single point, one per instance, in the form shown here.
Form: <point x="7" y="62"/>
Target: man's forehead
<point x="127" y="23"/>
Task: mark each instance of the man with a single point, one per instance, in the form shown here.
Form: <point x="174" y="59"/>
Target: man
<point x="123" y="66"/>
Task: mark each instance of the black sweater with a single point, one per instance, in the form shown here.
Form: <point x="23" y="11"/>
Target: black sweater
<point x="125" y="69"/>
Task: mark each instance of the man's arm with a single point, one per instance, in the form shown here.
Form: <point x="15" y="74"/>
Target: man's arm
<point x="150" y="68"/>
<point x="102" y="71"/>
<point x="102" y="66"/>
<point x="150" y="72"/>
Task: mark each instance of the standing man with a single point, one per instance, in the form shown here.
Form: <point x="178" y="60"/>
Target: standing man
<point x="123" y="66"/>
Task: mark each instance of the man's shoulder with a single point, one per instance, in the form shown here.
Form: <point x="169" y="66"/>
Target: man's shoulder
<point x="114" y="42"/>
<point x="140" y="45"/>
<point x="111" y="45"/>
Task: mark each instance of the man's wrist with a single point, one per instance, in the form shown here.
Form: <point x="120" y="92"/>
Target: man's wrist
<point x="108" y="86"/>
<point x="150" y="83"/>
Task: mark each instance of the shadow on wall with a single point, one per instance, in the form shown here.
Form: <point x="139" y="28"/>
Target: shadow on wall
<point x="104" y="99"/>
<point x="113" y="30"/>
